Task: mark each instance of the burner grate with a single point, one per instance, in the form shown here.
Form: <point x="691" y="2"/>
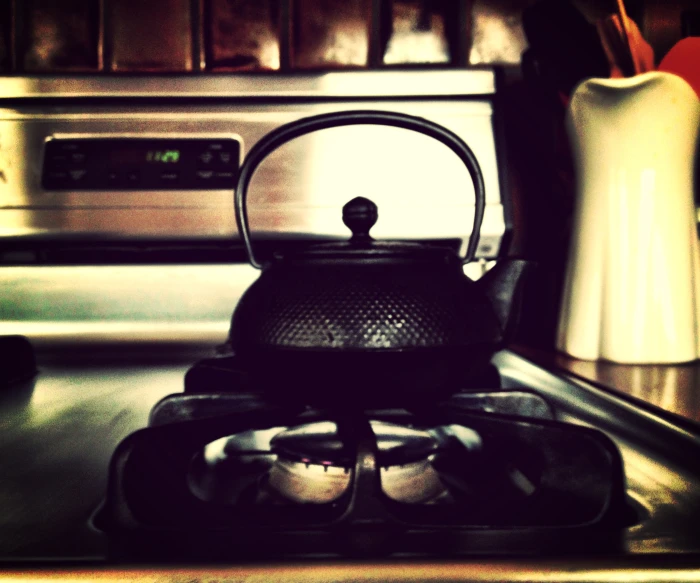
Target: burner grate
<point x="515" y="485"/>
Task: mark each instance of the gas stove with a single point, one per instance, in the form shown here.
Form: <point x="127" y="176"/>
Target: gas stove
<point x="204" y="470"/>
<point x="225" y="474"/>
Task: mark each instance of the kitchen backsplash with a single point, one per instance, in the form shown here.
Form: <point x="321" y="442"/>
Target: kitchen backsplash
<point x="190" y="36"/>
<point x="183" y="36"/>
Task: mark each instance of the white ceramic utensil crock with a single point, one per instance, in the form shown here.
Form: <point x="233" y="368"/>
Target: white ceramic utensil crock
<point x="633" y="276"/>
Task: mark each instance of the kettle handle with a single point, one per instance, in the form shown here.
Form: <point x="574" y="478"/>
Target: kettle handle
<point x="270" y="142"/>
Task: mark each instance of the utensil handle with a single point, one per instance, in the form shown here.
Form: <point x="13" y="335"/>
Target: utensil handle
<point x="627" y="36"/>
<point x="307" y="125"/>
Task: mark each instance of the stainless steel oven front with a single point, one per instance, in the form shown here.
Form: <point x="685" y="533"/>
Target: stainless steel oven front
<point x="74" y="156"/>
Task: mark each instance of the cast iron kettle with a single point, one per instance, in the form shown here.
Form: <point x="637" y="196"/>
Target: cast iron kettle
<point x="366" y="322"/>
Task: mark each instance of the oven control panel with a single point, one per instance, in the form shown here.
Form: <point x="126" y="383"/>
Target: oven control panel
<point x="103" y="164"/>
<point x="156" y="159"/>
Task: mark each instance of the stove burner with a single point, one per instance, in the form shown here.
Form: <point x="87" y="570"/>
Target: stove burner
<point x="223" y="473"/>
<point x="416" y="483"/>
<point x="314" y="463"/>
<point x="323" y="443"/>
<point x="308" y="483"/>
<point x="276" y="480"/>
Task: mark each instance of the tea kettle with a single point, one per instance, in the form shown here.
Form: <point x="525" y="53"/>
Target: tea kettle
<point x="364" y="321"/>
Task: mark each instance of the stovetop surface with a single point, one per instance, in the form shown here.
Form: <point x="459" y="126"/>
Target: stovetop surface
<point x="58" y="433"/>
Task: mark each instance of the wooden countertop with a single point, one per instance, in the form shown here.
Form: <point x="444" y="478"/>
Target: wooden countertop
<point x="673" y="388"/>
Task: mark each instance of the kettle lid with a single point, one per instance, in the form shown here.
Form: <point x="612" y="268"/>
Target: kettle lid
<point x="360" y="215"/>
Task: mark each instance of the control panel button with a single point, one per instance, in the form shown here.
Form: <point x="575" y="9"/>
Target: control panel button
<point x="55" y="180"/>
<point x="170" y="176"/>
<point x="78" y="174"/>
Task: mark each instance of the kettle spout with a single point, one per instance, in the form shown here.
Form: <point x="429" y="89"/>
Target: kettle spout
<point x="503" y="285"/>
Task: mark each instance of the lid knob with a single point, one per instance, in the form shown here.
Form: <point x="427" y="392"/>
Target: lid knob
<point x="360" y="215"/>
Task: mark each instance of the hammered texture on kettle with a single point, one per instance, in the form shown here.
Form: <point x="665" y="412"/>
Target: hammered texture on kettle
<point x="353" y="311"/>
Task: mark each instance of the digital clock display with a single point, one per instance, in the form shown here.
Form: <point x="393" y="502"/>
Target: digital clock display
<point x="163" y="156"/>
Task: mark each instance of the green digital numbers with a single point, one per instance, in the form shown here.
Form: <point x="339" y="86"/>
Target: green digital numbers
<point x="163" y="156"/>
